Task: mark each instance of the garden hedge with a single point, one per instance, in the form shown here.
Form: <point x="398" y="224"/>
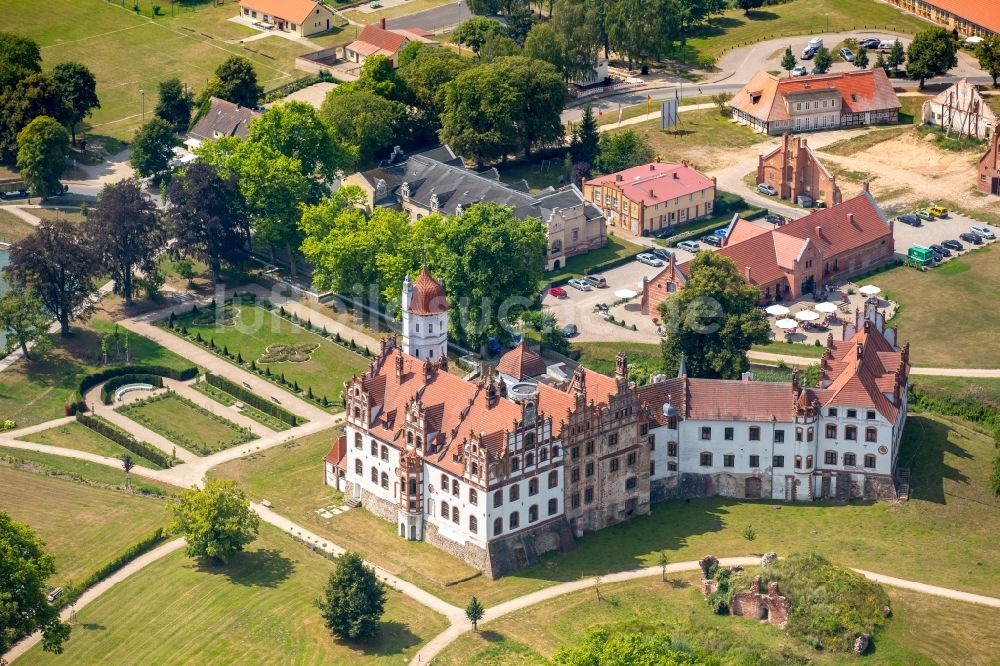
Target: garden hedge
<point x="113" y="384"/>
<point x="76" y="402"/>
<point x="249" y="397"/>
<point x="123" y="439"/>
<point x="135" y="550"/>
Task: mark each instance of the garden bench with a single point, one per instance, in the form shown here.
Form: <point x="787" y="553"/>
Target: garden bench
<point x="122" y="390"/>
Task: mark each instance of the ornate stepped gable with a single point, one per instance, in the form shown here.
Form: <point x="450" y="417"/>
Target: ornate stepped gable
<point x="421" y="409"/>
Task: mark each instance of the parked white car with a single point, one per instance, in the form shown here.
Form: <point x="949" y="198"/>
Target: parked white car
<point x="648" y="259"/>
<point x="579" y="284"/>
<point x="690" y="246"/>
<point x="984" y="231"/>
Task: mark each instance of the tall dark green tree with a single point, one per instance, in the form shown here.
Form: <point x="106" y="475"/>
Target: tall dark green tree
<point x="23" y="322"/>
<point x="823" y="60"/>
<point x="988" y="53"/>
<point x="897" y="56"/>
<point x="931" y="53"/>
<point x="42" y="148"/>
<point x="125" y="233"/>
<point x="713" y="320"/>
<point x="364" y="120"/>
<point x="174" y="104"/>
<point x="747" y="5"/>
<point x="585" y="144"/>
<point x="788" y="61"/>
<point x="235" y="80"/>
<point x="25" y="569"/>
<point x="475" y="612"/>
<point x="207" y="215"/>
<point x="473" y="33"/>
<point x="354" y="599"/>
<point x="152" y="148"/>
<point x="295" y="130"/>
<point x="216" y="520"/>
<point x="57" y="265"/>
<point x="78" y="87"/>
<point x="19" y="57"/>
<point x="622" y="150"/>
<point x="861" y="60"/>
<point x="33" y="96"/>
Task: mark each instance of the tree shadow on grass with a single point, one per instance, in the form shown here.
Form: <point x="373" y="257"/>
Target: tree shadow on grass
<point x="715" y="27"/>
<point x="924" y="445"/>
<point x="92" y="626"/>
<point x="259" y="568"/>
<point x="491" y="636"/>
<point x="761" y="15"/>
<point x="393" y="638"/>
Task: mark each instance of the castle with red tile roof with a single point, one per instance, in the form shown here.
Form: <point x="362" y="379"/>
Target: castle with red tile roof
<point x="526" y="458"/>
<point x="777" y="105"/>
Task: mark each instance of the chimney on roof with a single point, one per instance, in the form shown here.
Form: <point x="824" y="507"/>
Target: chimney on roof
<point x="618" y="177"/>
<point x="865" y="184"/>
<point x="399" y="365"/>
<point x="850" y="218"/>
<point x="819" y="232"/>
<point x="676" y="176"/>
<point x="748" y="274"/>
<point x="381" y="23"/>
<point x="652" y="167"/>
<point x="652" y="195"/>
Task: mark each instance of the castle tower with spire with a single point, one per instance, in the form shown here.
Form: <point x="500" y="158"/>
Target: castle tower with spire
<point x="425" y="317"/>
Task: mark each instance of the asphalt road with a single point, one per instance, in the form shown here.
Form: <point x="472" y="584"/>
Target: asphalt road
<point x="433" y="19"/>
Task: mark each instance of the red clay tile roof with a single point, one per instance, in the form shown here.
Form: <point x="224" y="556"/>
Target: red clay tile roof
<point x="861" y="371"/>
<point x="985" y="14"/>
<point x="379" y="38"/>
<point x="839" y="232"/>
<point x="861" y="90"/>
<point x="428" y="297"/>
<point x="654" y="396"/>
<point x="521" y="362"/>
<point x="296" y="11"/>
<point x="657" y="182"/>
<point x="737" y="400"/>
<point x="338" y="454"/>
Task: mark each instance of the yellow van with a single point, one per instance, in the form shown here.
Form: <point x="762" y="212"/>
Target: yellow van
<point x="939" y="211"/>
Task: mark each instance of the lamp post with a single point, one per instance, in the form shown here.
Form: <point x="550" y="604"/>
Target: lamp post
<point x="142" y="96"/>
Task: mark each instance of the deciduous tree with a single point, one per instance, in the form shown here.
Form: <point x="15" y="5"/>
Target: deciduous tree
<point x="823" y="60"/>
<point x="788" y="61"/>
<point x="861" y="60"/>
<point x="57" y="265"/>
<point x="152" y="148"/>
<point x="125" y="232"/>
<point x="622" y="150"/>
<point x="33" y="96"/>
<point x="19" y="57"/>
<point x="295" y="130"/>
<point x="747" y="5"/>
<point x="354" y="599"/>
<point x="25" y="569"/>
<point x="216" y="520"/>
<point x="426" y="75"/>
<point x="364" y="120"/>
<point x="78" y="87"/>
<point x="207" y="215"/>
<point x="546" y="43"/>
<point x="24" y="321"/>
<point x="42" y="148"/>
<point x="931" y="53"/>
<point x="235" y="81"/>
<point x="473" y="33"/>
<point x="175" y="104"/>
<point x="988" y="54"/>
<point x="713" y="320"/>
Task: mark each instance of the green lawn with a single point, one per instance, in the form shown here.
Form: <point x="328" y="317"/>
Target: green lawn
<point x="945" y="313"/>
<point x="186" y="424"/>
<point x="13" y="228"/>
<point x="83" y="527"/>
<point x="83" y="471"/>
<point x="923" y="629"/>
<point x="130" y="54"/>
<point x="578" y="265"/>
<point x="791" y="349"/>
<point x="82" y="438"/>
<point x="697" y="133"/>
<point x="733" y="28"/>
<point x="257" y="610"/>
<point x="35" y="391"/>
<point x="70" y="214"/>
<point x="328" y="367"/>
<point x="404" y="9"/>
<point x="224" y="398"/>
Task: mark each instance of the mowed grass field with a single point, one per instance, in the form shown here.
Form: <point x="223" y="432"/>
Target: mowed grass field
<point x="257" y="610"/>
<point x="923" y="629"/>
<point x="129" y="53"/>
<point x="13" y="228"/>
<point x="944" y="535"/>
<point x="82" y="526"/>
<point x="82" y="438"/>
<point x="328" y="367"/>
<point x="947" y="313"/>
<point x="701" y="137"/>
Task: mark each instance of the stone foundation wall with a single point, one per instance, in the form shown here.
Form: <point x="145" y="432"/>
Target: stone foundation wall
<point x="384" y="509"/>
<point x="469" y="553"/>
<point x="524" y="548"/>
<point x="879" y="487"/>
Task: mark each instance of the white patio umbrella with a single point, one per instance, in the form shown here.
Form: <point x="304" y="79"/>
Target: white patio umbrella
<point x="825" y="306"/>
<point x="776" y="310"/>
<point x="786" y="324"/>
<point x="806" y="315"/>
<point x="974" y="39"/>
<point x="626" y="293"/>
<point x="869" y="290"/>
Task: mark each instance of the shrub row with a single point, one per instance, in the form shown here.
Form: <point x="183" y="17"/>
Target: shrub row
<point x="135" y="550"/>
<point x="178" y="434"/>
<point x="115" y="383"/>
<point x="125" y="440"/>
<point x="249" y="397"/>
<point x="77" y="404"/>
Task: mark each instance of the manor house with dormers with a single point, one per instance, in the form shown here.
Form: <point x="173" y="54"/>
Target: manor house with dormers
<point x="529" y="456"/>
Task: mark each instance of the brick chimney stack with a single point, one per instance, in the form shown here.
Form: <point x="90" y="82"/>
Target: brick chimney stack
<point x="748" y="274"/>
<point x="850" y="218"/>
<point x="381" y="23"/>
<point x="865" y="184"/>
<point x="819" y="231"/>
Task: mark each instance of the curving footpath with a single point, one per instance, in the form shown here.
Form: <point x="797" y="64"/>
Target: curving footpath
<point x="97" y="590"/>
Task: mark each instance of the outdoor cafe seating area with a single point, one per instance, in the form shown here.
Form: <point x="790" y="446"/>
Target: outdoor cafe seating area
<point x="807" y="320"/>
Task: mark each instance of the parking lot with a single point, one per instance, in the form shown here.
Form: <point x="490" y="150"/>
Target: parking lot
<point x="935" y="231"/>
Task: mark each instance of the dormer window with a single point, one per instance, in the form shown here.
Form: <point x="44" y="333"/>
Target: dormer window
<point x="404" y="190"/>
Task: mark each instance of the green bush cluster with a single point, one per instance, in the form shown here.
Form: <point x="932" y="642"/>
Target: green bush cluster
<point x="242" y="394"/>
<point x="135" y="550"/>
<point x="77" y="404"/>
<point x="124" y="439"/>
<point x="115" y="383"/>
